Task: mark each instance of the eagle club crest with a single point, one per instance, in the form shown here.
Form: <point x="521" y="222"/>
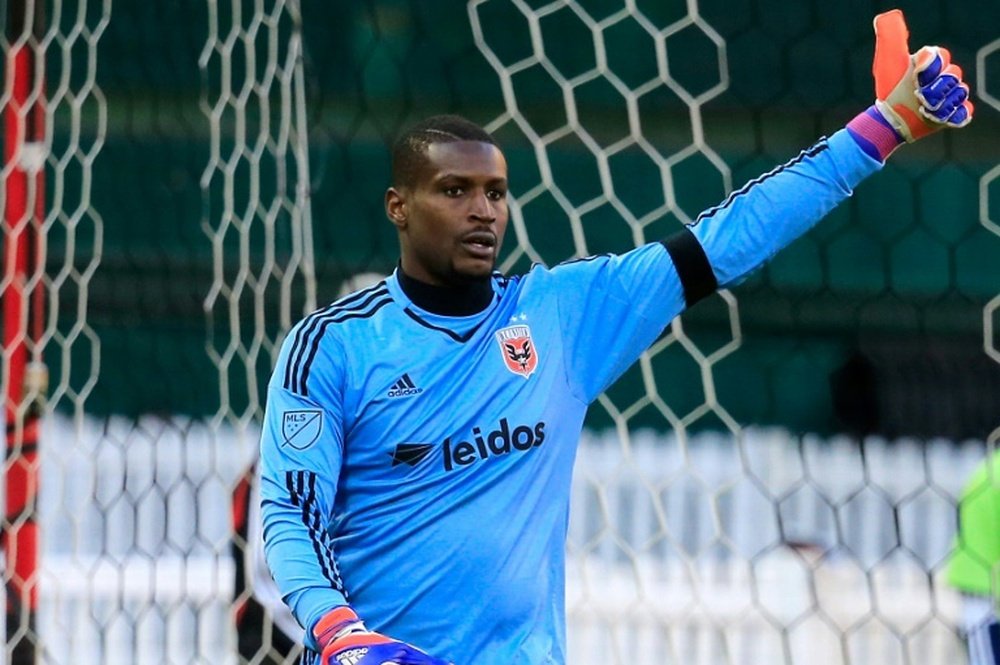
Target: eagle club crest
<point x="518" y="349"/>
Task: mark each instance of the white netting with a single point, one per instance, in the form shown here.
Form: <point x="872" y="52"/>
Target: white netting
<point x="136" y="513"/>
<point x="722" y="553"/>
<point x="55" y="121"/>
<point x="632" y="596"/>
<point x="989" y="196"/>
<point x="259" y="223"/>
<point x="258" y="173"/>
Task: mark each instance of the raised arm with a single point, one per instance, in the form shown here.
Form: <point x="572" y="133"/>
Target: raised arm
<point x="645" y="289"/>
<point x="916" y="95"/>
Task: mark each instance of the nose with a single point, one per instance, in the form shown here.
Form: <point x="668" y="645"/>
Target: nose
<point x="482" y="208"/>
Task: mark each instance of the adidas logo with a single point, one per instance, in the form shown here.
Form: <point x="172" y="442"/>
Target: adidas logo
<point x="404" y="387"/>
<point x="352" y="657"/>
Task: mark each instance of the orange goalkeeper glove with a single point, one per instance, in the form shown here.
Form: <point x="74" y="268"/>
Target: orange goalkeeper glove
<point x="915" y="95"/>
<point x="345" y="641"/>
<point x="920" y="93"/>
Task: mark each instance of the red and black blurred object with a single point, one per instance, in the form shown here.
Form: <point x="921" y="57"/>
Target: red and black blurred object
<point x="256" y="634"/>
<point x="23" y="314"/>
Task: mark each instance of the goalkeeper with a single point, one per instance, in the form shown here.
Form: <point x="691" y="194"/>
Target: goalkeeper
<point x="420" y="434"/>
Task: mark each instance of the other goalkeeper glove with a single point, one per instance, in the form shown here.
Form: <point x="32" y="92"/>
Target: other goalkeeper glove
<point x="915" y="95"/>
<point x="920" y="93"/>
<point x="344" y="640"/>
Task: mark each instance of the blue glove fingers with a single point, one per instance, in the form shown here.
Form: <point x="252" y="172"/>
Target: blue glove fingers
<point x="960" y="117"/>
<point x="957" y="101"/>
<point x="930" y="61"/>
<point x="944" y="97"/>
<point x="950" y="105"/>
<point x="941" y="91"/>
<point x="938" y="91"/>
<point x="932" y="71"/>
<point x="398" y="653"/>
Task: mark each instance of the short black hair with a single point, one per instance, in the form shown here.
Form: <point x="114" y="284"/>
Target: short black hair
<point x="410" y="150"/>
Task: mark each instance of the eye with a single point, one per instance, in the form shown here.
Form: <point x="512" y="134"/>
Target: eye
<point x="453" y="191"/>
<point x="497" y="194"/>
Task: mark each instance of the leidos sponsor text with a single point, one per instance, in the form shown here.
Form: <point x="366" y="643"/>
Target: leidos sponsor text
<point x="501" y="441"/>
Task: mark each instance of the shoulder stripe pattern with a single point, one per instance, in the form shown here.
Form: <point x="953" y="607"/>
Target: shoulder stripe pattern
<point x="301" y="487"/>
<point x="503" y="281"/>
<point x="816" y="149"/>
<point x="584" y="259"/>
<point x="362" y="304"/>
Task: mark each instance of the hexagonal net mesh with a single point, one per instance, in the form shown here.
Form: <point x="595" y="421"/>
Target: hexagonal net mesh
<point x="50" y="253"/>
<point x="715" y="543"/>
<point x="775" y="481"/>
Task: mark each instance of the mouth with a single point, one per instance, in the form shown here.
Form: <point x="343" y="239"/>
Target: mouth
<point x="480" y="244"/>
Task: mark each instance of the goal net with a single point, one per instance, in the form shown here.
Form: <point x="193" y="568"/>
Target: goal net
<point x="775" y="481"/>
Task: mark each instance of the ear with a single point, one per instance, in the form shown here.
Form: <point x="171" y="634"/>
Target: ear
<point x="395" y="207"/>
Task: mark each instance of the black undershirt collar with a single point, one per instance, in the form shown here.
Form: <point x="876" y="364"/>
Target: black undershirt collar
<point x="459" y="300"/>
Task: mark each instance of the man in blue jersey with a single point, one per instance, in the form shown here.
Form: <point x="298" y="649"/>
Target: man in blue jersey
<point x="420" y="434"/>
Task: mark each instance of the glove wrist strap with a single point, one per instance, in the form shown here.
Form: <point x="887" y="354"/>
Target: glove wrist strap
<point x="337" y="623"/>
<point x="874" y="134"/>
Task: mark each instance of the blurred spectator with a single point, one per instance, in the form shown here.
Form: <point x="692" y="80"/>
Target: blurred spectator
<point x="974" y="567"/>
<point x="266" y="631"/>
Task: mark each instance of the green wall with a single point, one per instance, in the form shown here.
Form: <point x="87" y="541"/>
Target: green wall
<point x="898" y="274"/>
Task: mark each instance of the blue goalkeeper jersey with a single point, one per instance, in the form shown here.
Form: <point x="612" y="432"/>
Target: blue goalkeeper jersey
<point x="418" y="466"/>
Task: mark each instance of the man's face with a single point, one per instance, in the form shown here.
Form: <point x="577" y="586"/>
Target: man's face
<point x="453" y="217"/>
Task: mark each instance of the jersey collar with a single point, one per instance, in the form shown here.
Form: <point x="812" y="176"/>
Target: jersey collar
<point x="462" y="300"/>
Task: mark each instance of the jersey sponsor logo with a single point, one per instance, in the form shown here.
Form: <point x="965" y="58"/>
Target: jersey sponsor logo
<point x="518" y="349"/>
<point x="501" y="441"/>
<point x="458" y="453"/>
<point x="411" y="453"/>
<point x="404" y="387"/>
<point x="301" y="428"/>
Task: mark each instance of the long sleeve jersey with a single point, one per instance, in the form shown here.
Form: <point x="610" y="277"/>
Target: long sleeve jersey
<point x="418" y="466"/>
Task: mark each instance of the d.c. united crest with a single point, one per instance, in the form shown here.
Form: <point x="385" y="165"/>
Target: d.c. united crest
<point x="518" y="349"/>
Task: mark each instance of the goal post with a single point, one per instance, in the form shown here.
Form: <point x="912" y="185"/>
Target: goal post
<point x="23" y="292"/>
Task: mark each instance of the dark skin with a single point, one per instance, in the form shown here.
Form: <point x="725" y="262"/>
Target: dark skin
<point x="451" y="220"/>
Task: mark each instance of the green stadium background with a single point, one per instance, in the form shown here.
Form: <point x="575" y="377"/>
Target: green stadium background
<point x="872" y="323"/>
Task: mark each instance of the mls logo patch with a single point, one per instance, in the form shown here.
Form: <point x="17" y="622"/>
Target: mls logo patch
<point x="301" y="428"/>
<point x="518" y="349"/>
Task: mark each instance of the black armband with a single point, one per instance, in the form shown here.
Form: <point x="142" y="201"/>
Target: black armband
<point x="692" y="265"/>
